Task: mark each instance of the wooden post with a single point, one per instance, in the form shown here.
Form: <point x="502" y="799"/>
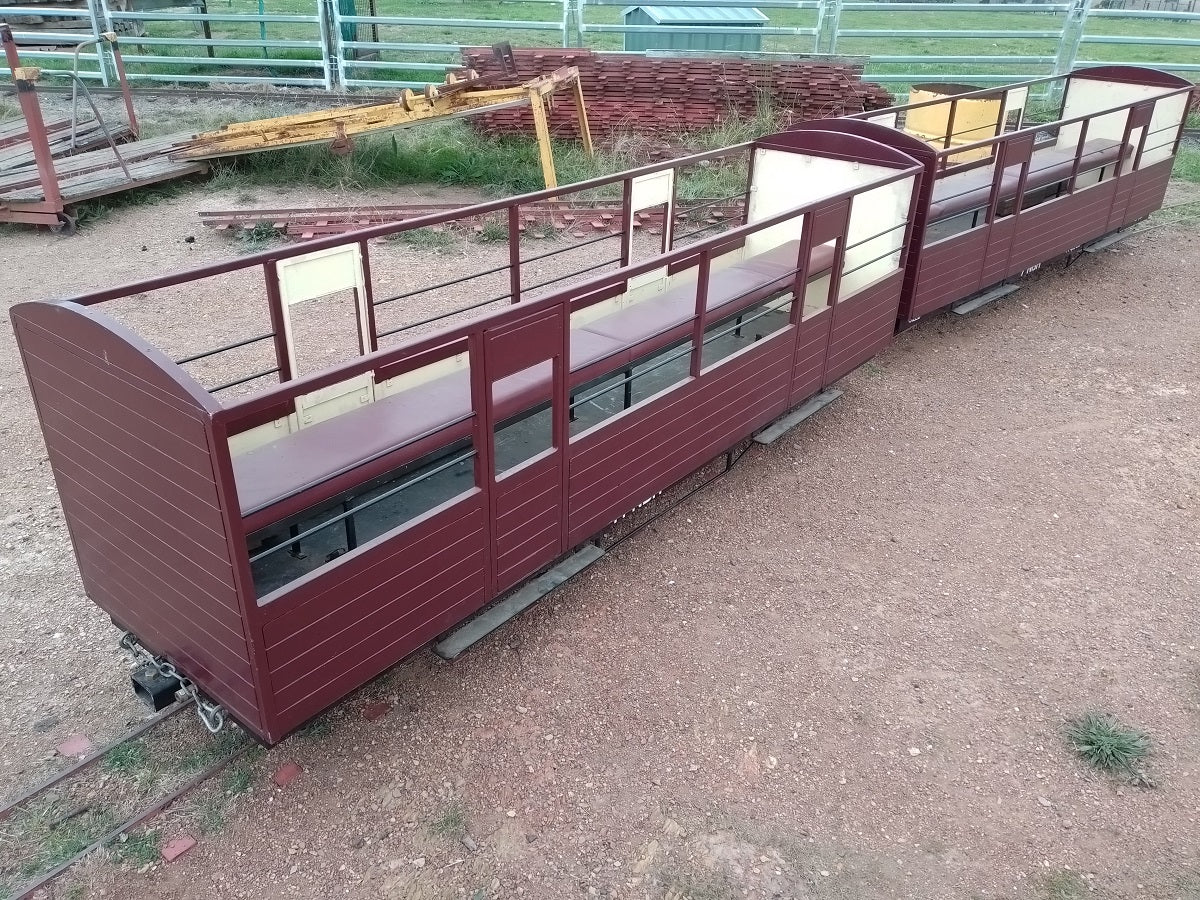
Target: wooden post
<point x="541" y="126"/>
<point x="585" y="131"/>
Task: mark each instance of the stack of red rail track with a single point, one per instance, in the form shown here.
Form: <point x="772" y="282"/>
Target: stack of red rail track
<point x="640" y="93"/>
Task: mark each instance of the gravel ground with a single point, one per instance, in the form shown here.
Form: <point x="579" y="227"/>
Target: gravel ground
<point x="841" y="672"/>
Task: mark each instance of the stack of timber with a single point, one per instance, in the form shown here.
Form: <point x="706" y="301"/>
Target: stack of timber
<point x="642" y="93"/>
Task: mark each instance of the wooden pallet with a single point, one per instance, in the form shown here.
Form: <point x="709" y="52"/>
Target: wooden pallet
<point x="97" y="172"/>
<point x="16" y="151"/>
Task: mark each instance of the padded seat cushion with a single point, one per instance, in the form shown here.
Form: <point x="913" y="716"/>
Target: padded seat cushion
<point x="964" y="191"/>
<point x="305" y="458"/>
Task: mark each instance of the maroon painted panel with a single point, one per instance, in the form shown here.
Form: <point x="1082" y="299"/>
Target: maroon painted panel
<point x="999" y="250"/>
<point x="1056" y="226"/>
<point x="863" y="326"/>
<point x="634" y="455"/>
<point x="950" y="270"/>
<point x="527" y="533"/>
<point x="1149" y="190"/>
<point x="344" y="625"/>
<point x="126" y="433"/>
<point x="812" y="346"/>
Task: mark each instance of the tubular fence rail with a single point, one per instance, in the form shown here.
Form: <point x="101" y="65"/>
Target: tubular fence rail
<point x="338" y="44"/>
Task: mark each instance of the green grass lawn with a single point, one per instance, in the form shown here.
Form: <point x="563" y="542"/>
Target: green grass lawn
<point x="1006" y="18"/>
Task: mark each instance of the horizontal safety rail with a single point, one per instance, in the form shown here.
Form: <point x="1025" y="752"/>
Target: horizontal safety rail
<point x="247" y="413"/>
<point x="53" y="50"/>
<point x="298" y="58"/>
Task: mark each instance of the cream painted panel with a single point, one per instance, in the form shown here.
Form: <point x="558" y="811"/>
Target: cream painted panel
<point x="440" y="369"/>
<point x="651" y="190"/>
<point x="875" y="211"/>
<point x="784" y="181"/>
<point x="1014" y="101"/>
<point x="1085" y="96"/>
<point x="1169" y="113"/>
<point x="334" y="400"/>
<point x="319" y="274"/>
<point x="262" y="435"/>
<point x="816" y="296"/>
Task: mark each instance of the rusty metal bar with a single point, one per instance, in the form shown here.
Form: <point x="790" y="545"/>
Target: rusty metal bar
<point x="29" y="890"/>
<point x="95" y="756"/>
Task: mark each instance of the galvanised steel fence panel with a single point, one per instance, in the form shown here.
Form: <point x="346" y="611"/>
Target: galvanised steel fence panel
<point x="388" y="51"/>
<point x="328" y="44"/>
<point x="1165" y="39"/>
<point x="979" y="43"/>
<point x="242" y="46"/>
<point x="53" y="51"/>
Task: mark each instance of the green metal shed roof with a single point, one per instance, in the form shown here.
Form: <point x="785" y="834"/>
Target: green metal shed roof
<point x="700" y="15"/>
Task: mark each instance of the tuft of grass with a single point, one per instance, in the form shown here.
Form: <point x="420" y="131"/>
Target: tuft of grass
<point x="54" y="839"/>
<point x="257" y="238"/>
<point x="1064" y="885"/>
<point x="427" y="238"/>
<point x="127" y="759"/>
<point x="238" y="780"/>
<point x="452" y="823"/>
<point x="76" y="891"/>
<point x="317" y="728"/>
<point x="1103" y="742"/>
<point x="1187" y="164"/>
<point x="140" y="849"/>
<point x="211" y="751"/>
<point x="493" y="231"/>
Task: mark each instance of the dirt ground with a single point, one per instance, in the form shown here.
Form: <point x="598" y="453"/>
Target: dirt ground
<point x="841" y="672"/>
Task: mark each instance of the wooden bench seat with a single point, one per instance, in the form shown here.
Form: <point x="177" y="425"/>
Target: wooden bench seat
<point x="312" y="455"/>
<point x="964" y="191"/>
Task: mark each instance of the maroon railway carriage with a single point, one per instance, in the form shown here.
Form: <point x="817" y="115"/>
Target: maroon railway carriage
<point x="1001" y="200"/>
<point x="288" y="542"/>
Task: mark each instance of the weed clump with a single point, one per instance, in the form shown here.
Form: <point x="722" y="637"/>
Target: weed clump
<point x="1106" y="744"/>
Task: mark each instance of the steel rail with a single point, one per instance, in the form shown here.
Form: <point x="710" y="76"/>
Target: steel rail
<point x="95" y="756"/>
<point x="29" y="890"/>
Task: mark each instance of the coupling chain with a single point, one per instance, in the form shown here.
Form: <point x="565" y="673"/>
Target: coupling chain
<point x="210" y="712"/>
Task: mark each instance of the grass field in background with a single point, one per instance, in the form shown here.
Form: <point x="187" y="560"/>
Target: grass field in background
<point x="1004" y="18"/>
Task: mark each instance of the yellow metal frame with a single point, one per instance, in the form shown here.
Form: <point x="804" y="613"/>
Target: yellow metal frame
<point x="338" y="127"/>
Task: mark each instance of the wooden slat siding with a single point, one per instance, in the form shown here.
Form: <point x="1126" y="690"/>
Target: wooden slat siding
<point x="328" y="603"/>
<point x="646" y="450"/>
<point x="371" y="610"/>
<point x="324" y="601"/>
<point x="720" y="429"/>
<point x="528" y="528"/>
<point x="172" y="458"/>
<point x="1120" y="204"/>
<point x="157" y="519"/>
<point x="62" y="420"/>
<point x="863" y="326"/>
<point x="168" y="587"/>
<point x="140" y="378"/>
<point x="1149" y="190"/>
<point x="212" y="638"/>
<point x="999" y="249"/>
<point x="92" y="382"/>
<point x="813" y="345"/>
<point x="1057" y="226"/>
<point x="950" y="270"/>
<point x="661" y="414"/>
<point x="196" y="659"/>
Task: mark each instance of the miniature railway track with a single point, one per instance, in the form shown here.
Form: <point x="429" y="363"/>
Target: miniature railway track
<point x="143" y="815"/>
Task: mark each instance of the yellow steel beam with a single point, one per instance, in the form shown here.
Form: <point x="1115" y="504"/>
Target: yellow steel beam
<point x="344" y="123"/>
